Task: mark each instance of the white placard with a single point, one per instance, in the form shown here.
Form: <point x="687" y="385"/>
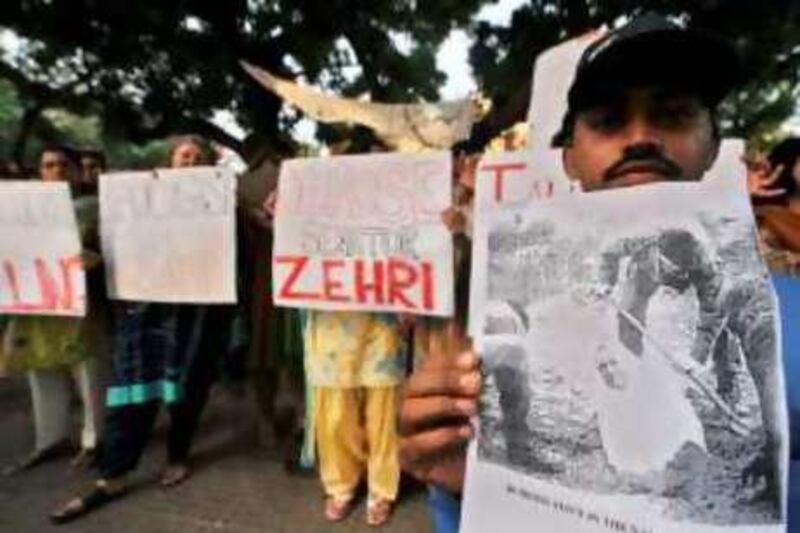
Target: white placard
<point x="511" y="178"/>
<point x="527" y="176"/>
<point x="169" y="235"/>
<point x="365" y="233"/>
<point x="41" y="271"/>
<point x="631" y="349"/>
<point x="553" y="75"/>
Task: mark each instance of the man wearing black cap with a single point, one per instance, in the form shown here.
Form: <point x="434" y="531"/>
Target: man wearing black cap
<point x="637" y="114"/>
<point x="641" y="109"/>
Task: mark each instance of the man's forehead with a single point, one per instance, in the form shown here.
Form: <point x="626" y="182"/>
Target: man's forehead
<point x="618" y="95"/>
<point x="54" y="154"/>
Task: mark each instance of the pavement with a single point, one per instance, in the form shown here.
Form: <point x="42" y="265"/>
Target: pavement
<point x="236" y="485"/>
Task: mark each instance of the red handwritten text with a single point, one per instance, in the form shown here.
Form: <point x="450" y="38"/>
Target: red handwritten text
<point x="50" y="288"/>
<point x="402" y="283"/>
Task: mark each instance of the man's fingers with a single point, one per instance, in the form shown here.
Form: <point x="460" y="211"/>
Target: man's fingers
<point x="421" y="413"/>
<point x="775" y="175"/>
<point x="270" y="203"/>
<point x="430" y="383"/>
<point x="428" y="446"/>
<point x="457" y="338"/>
<point x="451" y="358"/>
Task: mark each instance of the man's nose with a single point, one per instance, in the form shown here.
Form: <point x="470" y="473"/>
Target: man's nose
<point x="641" y="131"/>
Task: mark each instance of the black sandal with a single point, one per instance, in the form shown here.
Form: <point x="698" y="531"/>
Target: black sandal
<point x="97" y="498"/>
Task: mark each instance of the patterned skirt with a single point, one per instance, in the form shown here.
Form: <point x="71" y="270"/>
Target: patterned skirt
<point x="154" y="345"/>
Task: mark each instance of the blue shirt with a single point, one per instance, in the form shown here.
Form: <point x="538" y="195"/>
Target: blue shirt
<point x="445" y="509"/>
<point x="789" y="296"/>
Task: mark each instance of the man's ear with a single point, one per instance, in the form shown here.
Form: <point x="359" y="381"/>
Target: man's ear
<point x="567" y="155"/>
<point x="712" y="154"/>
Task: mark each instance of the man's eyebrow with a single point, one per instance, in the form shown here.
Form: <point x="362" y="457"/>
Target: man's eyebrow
<point x="601" y="102"/>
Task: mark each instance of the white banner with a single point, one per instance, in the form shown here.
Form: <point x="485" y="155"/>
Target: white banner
<point x="365" y="233"/>
<point x="170" y="235"/>
<point x="41" y="271"/>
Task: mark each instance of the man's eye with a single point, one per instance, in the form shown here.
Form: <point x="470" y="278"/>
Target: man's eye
<point x="604" y="121"/>
<point x="678" y="115"/>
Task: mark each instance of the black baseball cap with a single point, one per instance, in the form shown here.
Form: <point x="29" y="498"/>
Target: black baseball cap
<point x="651" y="50"/>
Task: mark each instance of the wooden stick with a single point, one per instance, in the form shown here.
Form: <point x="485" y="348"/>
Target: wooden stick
<point x="739" y="426"/>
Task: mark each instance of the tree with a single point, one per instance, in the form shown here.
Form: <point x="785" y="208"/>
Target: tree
<point x="151" y="68"/>
<point x="765" y="33"/>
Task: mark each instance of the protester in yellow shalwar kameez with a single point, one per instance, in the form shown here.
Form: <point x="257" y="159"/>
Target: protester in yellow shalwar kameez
<point x="354" y="364"/>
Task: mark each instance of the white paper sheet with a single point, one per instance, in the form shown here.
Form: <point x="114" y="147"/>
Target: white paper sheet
<point x="511" y="178"/>
<point x="590" y="420"/>
<point x="365" y="233"/>
<point x="41" y="272"/>
<point x="170" y="235"/>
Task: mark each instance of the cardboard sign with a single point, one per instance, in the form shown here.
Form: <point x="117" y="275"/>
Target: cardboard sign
<point x="365" y="233"/>
<point x="170" y="235"/>
<point x="41" y="271"/>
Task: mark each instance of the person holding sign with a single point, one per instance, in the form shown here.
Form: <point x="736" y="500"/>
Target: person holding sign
<point x="355" y="363"/>
<point x="774" y="184"/>
<point x="636" y="116"/>
<point x="93" y="163"/>
<point x="57" y="352"/>
<point x="166" y="353"/>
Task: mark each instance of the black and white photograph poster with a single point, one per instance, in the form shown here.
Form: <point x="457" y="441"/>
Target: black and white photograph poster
<point x="629" y="344"/>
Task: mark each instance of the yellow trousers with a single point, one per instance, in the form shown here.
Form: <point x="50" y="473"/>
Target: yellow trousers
<point x="356" y="431"/>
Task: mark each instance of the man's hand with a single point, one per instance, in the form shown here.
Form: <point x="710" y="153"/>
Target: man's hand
<point x="406" y="322"/>
<point x="761" y="177"/>
<point x="270" y="204"/>
<point x="434" y="427"/>
<point x="455" y="220"/>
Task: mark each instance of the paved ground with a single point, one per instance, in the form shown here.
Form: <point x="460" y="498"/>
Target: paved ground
<point x="235" y="488"/>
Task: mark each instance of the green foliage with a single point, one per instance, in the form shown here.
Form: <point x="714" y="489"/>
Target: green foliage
<point x="10" y="114"/>
<point x="765" y="33"/>
<point x="152" y="68"/>
<point x="140" y="71"/>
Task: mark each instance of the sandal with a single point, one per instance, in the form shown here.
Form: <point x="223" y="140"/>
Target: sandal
<point x="175" y="474"/>
<point x="337" y="510"/>
<point x="378" y="511"/>
<point x="77" y="507"/>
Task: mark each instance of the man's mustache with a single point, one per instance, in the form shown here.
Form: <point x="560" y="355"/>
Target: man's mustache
<point x="648" y="156"/>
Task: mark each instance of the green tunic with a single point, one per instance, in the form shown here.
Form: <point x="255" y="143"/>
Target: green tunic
<point x="45" y="342"/>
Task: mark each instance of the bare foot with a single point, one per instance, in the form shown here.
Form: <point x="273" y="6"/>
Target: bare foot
<point x="175" y="474"/>
<point x="337" y="510"/>
<point x="102" y="493"/>
<point x="378" y="512"/>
